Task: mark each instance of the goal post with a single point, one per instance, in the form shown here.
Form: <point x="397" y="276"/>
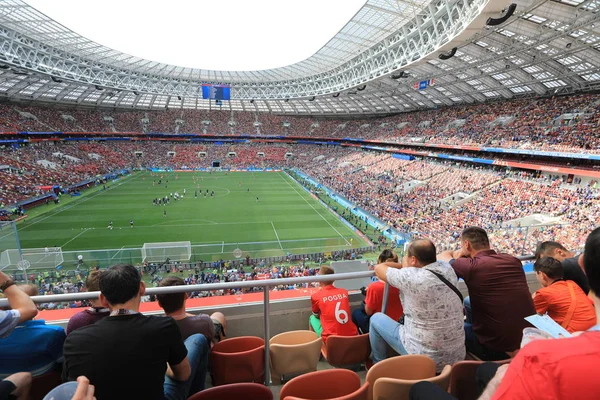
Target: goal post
<point x="161" y="251"/>
<point x="36" y="258"/>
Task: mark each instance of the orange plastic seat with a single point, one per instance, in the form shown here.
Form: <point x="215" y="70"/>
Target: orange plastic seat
<point x="236" y="360"/>
<point x="294" y="353"/>
<point x="463" y="383"/>
<point x="342" y="351"/>
<point x="254" y="391"/>
<point x="360" y="394"/>
<point x="409" y="368"/>
<point x="391" y="388"/>
<point x="329" y="384"/>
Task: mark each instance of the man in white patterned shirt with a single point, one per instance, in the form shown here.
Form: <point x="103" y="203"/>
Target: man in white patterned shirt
<point x="433" y="311"/>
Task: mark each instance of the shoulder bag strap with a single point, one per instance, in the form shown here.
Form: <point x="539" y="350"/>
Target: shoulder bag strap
<point x="447" y="282"/>
<point x="571" y="307"/>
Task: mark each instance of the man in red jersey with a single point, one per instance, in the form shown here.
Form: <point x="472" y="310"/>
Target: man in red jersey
<point x="331" y="309"/>
<point x="374" y="299"/>
<point x="551" y="368"/>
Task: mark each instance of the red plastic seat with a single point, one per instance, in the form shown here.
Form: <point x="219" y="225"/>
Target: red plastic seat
<point x="343" y="351"/>
<point x="236" y="360"/>
<point x="254" y="391"/>
<point x="329" y="384"/>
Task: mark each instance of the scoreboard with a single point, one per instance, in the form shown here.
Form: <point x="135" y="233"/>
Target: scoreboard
<point x="216" y="92"/>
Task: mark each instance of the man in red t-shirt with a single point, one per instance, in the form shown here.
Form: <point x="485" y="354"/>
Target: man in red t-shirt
<point x="374" y="299"/>
<point x="331" y="309"/>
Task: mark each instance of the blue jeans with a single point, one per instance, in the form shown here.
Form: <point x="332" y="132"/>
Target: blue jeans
<point x="361" y="319"/>
<point x="384" y="330"/>
<point x="198" y="348"/>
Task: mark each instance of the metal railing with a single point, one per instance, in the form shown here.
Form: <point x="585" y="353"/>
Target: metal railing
<point x="266" y="284"/>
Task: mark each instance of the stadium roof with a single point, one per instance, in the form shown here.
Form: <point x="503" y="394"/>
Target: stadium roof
<point x="546" y="47"/>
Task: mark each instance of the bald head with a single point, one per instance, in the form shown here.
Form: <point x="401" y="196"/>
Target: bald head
<point x="423" y="250"/>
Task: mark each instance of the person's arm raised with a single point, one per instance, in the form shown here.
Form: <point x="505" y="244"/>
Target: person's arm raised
<point x="18" y="299"/>
<point x="381" y="269"/>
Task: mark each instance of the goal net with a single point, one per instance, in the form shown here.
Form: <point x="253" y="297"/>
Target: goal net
<point x="160" y="252"/>
<point x="38" y="258"/>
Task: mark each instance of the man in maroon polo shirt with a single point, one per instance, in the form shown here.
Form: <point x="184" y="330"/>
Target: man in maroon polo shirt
<point x="499" y="297"/>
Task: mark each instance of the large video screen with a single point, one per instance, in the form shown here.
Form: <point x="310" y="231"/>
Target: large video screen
<point x="216" y="92"/>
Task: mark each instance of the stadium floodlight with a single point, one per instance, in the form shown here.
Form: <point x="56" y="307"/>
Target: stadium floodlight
<point x="55" y="79"/>
<point x="448" y="55"/>
<point x="508" y="12"/>
<point x="163" y="252"/>
<point x="361" y="88"/>
<point x="312" y="98"/>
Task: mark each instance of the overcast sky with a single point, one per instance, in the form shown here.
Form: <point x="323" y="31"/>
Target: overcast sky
<point x="216" y="34"/>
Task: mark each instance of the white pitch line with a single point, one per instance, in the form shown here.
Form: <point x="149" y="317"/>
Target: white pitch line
<point x="76" y="236"/>
<point x="276" y="235"/>
<point x="222" y="247"/>
<point x="324" y="219"/>
<point x="116" y="253"/>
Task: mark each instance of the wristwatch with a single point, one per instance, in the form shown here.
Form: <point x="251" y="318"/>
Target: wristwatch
<point x="8" y="283"/>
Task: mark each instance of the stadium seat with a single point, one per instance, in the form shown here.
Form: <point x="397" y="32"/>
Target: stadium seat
<point x="254" y="391"/>
<point x="237" y="360"/>
<point x="391" y="388"/>
<point x="343" y="351"/>
<point x="409" y="368"/>
<point x="329" y="384"/>
<point x="360" y="394"/>
<point x="294" y="353"/>
<point x="43" y="384"/>
<point x="463" y="384"/>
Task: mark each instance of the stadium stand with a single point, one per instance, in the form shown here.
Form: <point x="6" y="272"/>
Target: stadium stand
<point x="565" y="123"/>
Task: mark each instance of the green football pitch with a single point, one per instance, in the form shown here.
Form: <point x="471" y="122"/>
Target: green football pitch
<point x="284" y="219"/>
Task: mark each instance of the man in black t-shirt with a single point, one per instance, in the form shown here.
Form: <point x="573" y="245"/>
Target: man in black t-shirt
<point x="568" y="259"/>
<point x="128" y="355"/>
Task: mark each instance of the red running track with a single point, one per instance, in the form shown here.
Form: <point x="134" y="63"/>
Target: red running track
<point x="208" y="302"/>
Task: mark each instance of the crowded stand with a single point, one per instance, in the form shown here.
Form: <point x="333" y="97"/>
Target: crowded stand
<point x="566" y="123"/>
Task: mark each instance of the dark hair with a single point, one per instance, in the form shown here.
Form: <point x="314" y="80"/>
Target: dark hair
<point x="591" y="260"/>
<point x="550" y="266"/>
<point x="544" y="249"/>
<point x="477" y="237"/>
<point x="387" y="255"/>
<point x="423" y="250"/>
<point x="120" y="283"/>
<point x="171" y="302"/>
